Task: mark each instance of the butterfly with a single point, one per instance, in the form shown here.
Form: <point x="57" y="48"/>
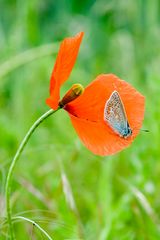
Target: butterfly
<point x="115" y="115"/>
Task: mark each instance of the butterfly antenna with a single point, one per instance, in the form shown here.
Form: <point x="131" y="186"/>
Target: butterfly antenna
<point x="145" y="130"/>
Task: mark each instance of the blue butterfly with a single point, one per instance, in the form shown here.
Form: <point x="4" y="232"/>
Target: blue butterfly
<point x="115" y="115"/>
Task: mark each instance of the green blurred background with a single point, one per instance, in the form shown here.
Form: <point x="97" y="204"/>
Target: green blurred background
<point x="58" y="183"/>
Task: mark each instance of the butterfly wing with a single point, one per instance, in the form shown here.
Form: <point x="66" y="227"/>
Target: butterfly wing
<point x="115" y="115"/>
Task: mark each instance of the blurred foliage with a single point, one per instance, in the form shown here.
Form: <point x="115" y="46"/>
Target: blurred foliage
<point x="108" y="198"/>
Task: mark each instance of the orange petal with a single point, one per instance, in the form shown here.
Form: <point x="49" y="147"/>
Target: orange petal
<point x="97" y="138"/>
<point x="87" y="114"/>
<point x="64" y="63"/>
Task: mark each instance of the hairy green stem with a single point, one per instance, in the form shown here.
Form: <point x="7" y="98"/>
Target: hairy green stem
<point x="13" y="163"/>
<point x="35" y="224"/>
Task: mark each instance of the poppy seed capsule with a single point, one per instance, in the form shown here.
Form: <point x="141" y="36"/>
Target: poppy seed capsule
<point x="75" y="91"/>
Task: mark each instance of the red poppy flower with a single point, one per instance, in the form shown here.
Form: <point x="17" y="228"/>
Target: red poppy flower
<point x="87" y="111"/>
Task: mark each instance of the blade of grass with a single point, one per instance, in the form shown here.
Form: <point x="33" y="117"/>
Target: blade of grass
<point x="68" y="193"/>
<point x="34" y="191"/>
<point x="141" y="199"/>
<point x="35" y="224"/>
<point x="26" y="57"/>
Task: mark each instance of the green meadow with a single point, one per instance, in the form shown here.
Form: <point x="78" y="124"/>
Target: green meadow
<point x="60" y="190"/>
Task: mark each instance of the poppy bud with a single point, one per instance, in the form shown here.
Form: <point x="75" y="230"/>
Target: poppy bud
<point x="75" y="91"/>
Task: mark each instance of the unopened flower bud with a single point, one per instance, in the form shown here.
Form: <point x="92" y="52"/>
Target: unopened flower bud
<point x="75" y="91"/>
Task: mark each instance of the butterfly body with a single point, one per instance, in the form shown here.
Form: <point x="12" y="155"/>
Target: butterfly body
<point x="115" y="115"/>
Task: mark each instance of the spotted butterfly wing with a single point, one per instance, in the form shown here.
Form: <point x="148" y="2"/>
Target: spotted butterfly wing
<point x="115" y="115"/>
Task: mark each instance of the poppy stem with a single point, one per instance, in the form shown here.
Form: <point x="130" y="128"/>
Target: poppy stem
<point x="12" y="166"/>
